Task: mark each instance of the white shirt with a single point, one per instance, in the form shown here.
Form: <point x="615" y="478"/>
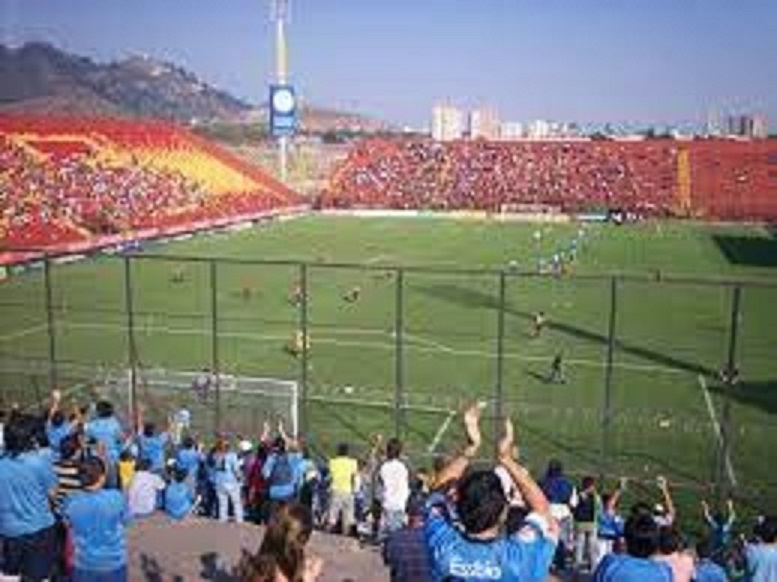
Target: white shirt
<point x="142" y="493"/>
<point x="396" y="485"/>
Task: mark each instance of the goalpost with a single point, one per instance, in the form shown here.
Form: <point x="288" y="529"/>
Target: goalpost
<point x="245" y="402"/>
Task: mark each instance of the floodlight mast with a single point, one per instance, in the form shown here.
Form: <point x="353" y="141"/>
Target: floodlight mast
<point x="279" y="10"/>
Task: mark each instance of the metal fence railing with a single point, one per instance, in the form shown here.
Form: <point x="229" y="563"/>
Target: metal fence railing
<point x="660" y="374"/>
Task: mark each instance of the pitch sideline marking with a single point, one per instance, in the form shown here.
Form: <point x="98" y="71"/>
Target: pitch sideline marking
<point x="441" y="431"/>
<point x="23" y="332"/>
<point x="717" y="429"/>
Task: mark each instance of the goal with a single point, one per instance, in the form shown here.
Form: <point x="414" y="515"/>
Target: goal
<point x="244" y="402"/>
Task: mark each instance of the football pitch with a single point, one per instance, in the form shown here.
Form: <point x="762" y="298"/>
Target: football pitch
<point x="672" y="331"/>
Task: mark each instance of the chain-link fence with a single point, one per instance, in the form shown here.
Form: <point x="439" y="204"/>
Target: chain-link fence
<point x="616" y="375"/>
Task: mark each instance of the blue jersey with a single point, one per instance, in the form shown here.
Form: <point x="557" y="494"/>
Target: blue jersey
<point x="152" y="449"/>
<point x="610" y="526"/>
<point x="56" y="434"/>
<point x="25" y="483"/>
<point x="97" y="520"/>
<point x="188" y="460"/>
<point x="285" y="487"/>
<point x="178" y="500"/>
<point x="709" y="571"/>
<point x="106" y="431"/>
<point x="524" y="556"/>
<point x="625" y="568"/>
<point x="226" y="469"/>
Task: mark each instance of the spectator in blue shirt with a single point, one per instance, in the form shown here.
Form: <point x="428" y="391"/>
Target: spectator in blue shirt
<point x="762" y="556"/>
<point x="226" y="478"/>
<point x="283" y="470"/>
<point x="562" y="497"/>
<point x="106" y="431"/>
<point x="27" y="484"/>
<point x="706" y="570"/>
<point x="151" y="447"/>
<point x="610" y="523"/>
<point x="188" y="458"/>
<point x="478" y="550"/>
<point x="637" y="564"/>
<point x="178" y="501"/>
<point x="57" y="426"/>
<point x="97" y="519"/>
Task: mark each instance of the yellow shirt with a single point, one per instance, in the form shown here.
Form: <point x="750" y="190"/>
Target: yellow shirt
<point x="343" y="470"/>
<point x="126" y="472"/>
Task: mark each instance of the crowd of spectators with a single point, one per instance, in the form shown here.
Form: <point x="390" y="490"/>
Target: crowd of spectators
<point x="54" y="191"/>
<point x="72" y="481"/>
<point x="76" y="195"/>
<point x="570" y="176"/>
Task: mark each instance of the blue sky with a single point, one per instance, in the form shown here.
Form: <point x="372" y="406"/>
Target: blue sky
<point x="573" y="60"/>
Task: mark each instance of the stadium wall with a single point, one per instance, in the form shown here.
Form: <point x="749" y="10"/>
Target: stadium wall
<point x="13" y="259"/>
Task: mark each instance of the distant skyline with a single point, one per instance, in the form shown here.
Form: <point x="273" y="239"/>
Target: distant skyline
<point x="586" y="61"/>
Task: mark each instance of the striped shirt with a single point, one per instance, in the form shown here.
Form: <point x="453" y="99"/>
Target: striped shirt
<point x="67" y="482"/>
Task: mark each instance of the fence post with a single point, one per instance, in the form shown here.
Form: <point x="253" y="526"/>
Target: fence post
<point x="724" y="483"/>
<point x="399" y="359"/>
<point x="52" y="332"/>
<point x="500" y="349"/>
<point x="131" y="347"/>
<point x="303" y="324"/>
<point x="605" y="450"/>
<point x="214" y="330"/>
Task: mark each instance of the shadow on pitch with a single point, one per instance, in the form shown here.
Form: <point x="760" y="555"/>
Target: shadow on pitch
<point x="760" y="395"/>
<point x="473" y="298"/>
<point x="749" y="251"/>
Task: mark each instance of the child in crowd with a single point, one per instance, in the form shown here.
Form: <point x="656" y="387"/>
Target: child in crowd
<point x="126" y="468"/>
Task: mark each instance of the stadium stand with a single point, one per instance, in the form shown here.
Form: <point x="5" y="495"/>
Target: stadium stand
<point x="711" y="178"/>
<point x="77" y="180"/>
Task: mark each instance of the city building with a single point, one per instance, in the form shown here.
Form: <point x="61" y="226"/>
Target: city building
<point x="484" y="124"/>
<point x="748" y="126"/>
<point x="447" y="123"/>
<point x="511" y="130"/>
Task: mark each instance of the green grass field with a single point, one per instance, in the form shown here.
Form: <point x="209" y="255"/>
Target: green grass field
<point x="671" y="337"/>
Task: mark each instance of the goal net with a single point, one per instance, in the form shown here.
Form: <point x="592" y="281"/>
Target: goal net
<point x="196" y="398"/>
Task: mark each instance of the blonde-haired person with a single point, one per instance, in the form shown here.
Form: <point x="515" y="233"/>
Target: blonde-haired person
<point x="281" y="556"/>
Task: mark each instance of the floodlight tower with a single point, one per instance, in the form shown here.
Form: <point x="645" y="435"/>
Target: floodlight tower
<point x="281" y="96"/>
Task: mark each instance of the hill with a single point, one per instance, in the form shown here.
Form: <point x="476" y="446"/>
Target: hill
<point x="40" y="79"/>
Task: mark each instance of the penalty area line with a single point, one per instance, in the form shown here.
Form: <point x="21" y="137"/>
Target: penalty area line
<point x="717" y="429"/>
<point x="441" y="431"/>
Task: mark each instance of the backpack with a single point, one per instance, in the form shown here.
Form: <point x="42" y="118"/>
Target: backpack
<point x="585" y="512"/>
<point x="282" y="474"/>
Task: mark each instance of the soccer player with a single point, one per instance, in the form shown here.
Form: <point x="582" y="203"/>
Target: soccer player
<point x="246" y="291"/>
<point x="353" y="295"/>
<point x="298" y="342"/>
<point x="296" y="296"/>
<point x="556" y="374"/>
<point x="178" y="275"/>
<point x="538" y="324"/>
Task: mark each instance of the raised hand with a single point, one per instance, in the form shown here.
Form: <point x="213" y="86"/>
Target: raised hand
<point x="472" y="423"/>
<point x="504" y="449"/>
